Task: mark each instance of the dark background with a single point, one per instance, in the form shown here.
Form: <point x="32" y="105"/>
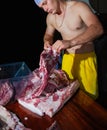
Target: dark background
<point x="22" y="26"/>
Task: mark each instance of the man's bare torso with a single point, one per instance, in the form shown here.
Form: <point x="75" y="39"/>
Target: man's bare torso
<point x="70" y="25"/>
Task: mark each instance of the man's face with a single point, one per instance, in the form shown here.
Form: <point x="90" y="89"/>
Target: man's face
<point x="49" y="6"/>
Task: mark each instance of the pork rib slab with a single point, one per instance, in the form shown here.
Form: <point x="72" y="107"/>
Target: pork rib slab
<point x="51" y="104"/>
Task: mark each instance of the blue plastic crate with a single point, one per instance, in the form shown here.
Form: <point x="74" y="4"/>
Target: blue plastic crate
<point x="12" y="70"/>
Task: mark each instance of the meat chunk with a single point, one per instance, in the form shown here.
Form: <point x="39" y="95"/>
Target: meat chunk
<point x="6" y="92"/>
<point x="50" y="88"/>
<point x="52" y="103"/>
<point x="10" y="120"/>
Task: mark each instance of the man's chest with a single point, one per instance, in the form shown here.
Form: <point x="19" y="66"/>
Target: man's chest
<point x="70" y="26"/>
<point x="68" y="23"/>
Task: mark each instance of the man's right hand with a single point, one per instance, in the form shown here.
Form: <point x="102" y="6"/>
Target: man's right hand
<point x="61" y="45"/>
<point x="47" y="45"/>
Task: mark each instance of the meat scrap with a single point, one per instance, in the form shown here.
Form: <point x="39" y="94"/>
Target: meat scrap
<point x="50" y="88"/>
<point x="38" y="79"/>
<point x="6" y="92"/>
<point x="9" y="120"/>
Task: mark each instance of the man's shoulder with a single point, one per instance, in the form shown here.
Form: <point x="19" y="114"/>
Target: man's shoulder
<point x="77" y="3"/>
<point x="78" y="6"/>
<point x="50" y="18"/>
<point x="82" y="4"/>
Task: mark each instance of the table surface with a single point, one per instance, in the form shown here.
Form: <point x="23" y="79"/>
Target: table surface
<point x="79" y="113"/>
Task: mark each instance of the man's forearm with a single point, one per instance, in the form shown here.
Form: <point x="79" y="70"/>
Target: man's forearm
<point x="48" y="38"/>
<point x="89" y="35"/>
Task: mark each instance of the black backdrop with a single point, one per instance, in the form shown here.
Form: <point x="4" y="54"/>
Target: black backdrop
<point x="22" y="28"/>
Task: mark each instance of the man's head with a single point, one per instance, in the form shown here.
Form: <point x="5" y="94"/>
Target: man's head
<point x="49" y="6"/>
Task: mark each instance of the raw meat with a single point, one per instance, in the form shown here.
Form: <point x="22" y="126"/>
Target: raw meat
<point x="49" y="104"/>
<point x="38" y="79"/>
<point x="6" y="92"/>
<point x="50" y="89"/>
<point x="10" y="120"/>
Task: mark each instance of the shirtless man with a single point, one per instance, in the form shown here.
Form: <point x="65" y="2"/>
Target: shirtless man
<point x="78" y="26"/>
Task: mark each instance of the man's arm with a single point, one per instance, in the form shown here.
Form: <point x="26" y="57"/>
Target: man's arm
<point x="94" y="27"/>
<point x="49" y="33"/>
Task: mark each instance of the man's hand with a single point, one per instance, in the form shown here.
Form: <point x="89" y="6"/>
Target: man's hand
<point x="47" y="45"/>
<point x="61" y="45"/>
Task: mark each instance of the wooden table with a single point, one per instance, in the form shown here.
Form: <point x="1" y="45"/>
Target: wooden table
<point x="79" y="113"/>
